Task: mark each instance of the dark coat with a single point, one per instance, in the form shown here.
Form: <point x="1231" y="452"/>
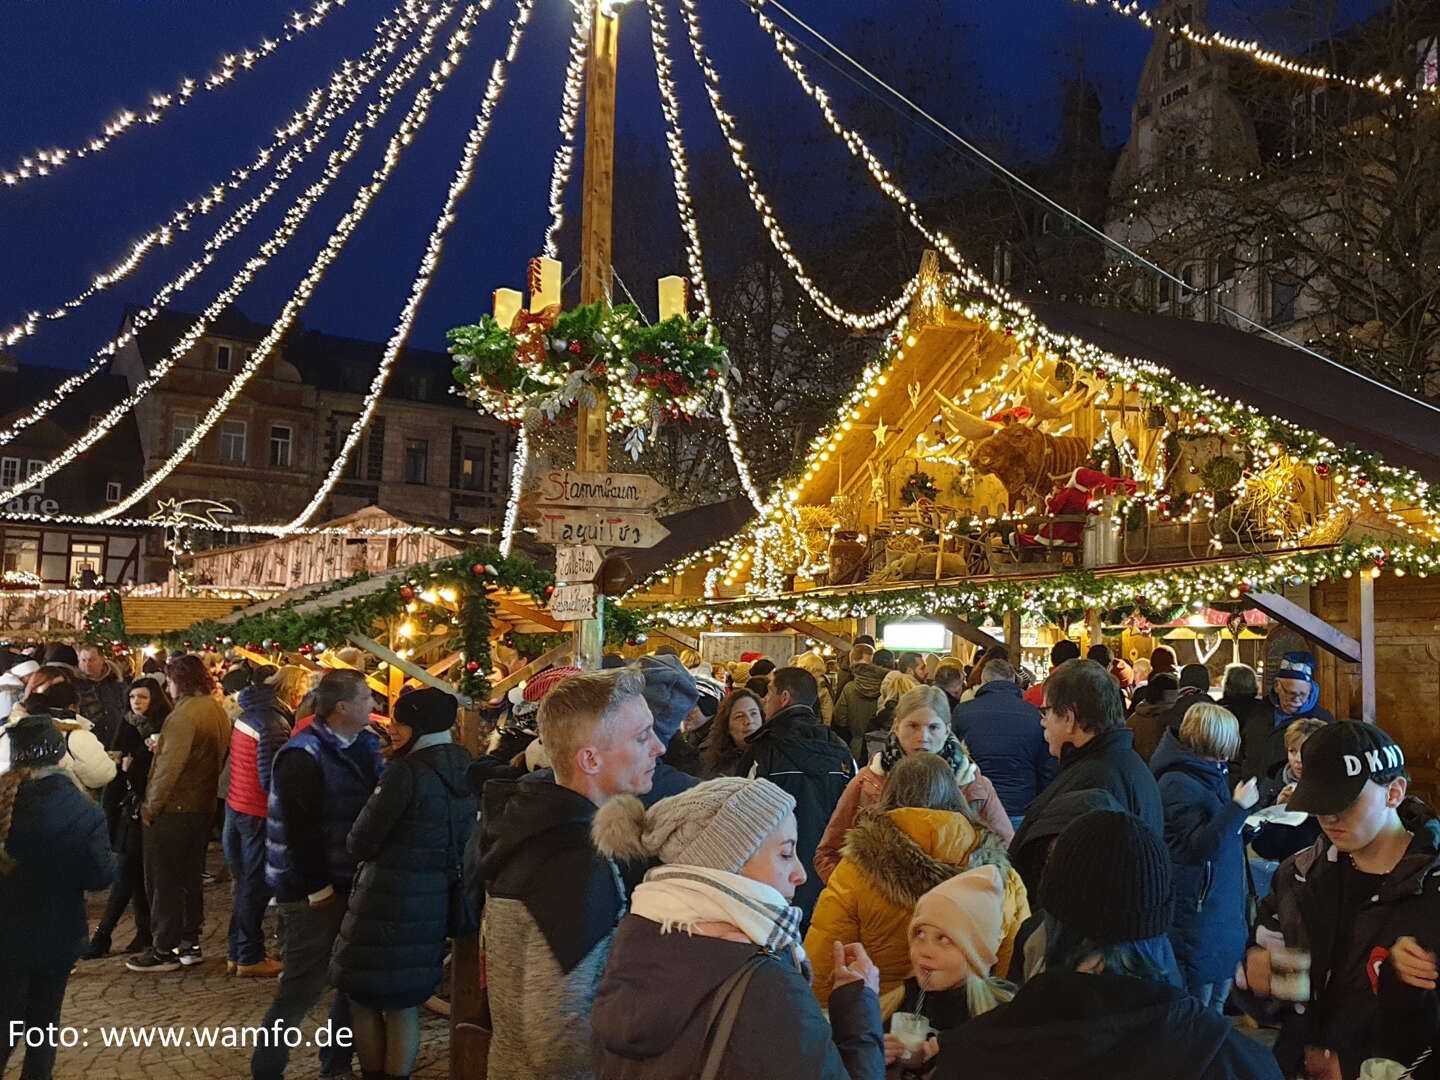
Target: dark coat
<point x="1107" y="762"/>
<point x="105" y="702"/>
<point x="408" y="840"/>
<point x="858" y="699"/>
<point x="1354" y="1012"/>
<point x="652" y="1010"/>
<point x="1066" y="1025"/>
<point x="1149" y="719"/>
<point x="813" y="764"/>
<point x="1262" y="740"/>
<point x="60" y="848"/>
<point x="1003" y="734"/>
<point x="1202" y="831"/>
<point x="129" y="785"/>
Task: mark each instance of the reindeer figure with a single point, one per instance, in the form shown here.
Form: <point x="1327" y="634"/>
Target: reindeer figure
<point x="1029" y="462"/>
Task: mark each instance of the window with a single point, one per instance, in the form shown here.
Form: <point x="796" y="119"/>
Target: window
<point x="222" y="357"/>
<point x="9" y="471"/>
<point x="232" y="442"/>
<point x="1164" y="293"/>
<point x="22" y="552"/>
<point x="1282" y="301"/>
<point x="1177" y="49"/>
<point x="112" y="491"/>
<point x="417" y="461"/>
<point x="281" y="438"/>
<point x="1186" y="293"/>
<point x="474" y="471"/>
<point x="32" y="466"/>
<point x="420" y="387"/>
<point x="182" y="426"/>
<point x="1428" y="75"/>
<point x="86" y="556"/>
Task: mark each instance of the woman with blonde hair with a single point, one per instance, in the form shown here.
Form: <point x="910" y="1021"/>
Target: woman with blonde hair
<point x="1203" y="818"/>
<point x="922" y="724"/>
<point x="918" y="834"/>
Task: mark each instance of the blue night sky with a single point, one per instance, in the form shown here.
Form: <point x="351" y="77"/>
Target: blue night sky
<point x="71" y="64"/>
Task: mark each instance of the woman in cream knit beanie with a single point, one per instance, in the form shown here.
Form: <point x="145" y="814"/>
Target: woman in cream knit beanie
<point x="719" y="824"/>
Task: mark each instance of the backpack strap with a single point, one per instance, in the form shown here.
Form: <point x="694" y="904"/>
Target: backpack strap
<point x="724" y="1011"/>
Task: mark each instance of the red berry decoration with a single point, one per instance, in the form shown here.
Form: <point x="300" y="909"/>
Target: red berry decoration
<point x="1243" y="587"/>
<point x="472" y="666"/>
<point x="407" y="593"/>
<point x="478" y="569"/>
<point x="549" y="590"/>
<point x="1322" y="469"/>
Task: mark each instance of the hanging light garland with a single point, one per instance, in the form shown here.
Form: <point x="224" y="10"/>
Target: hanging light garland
<point x="433" y="248"/>
<point x="570" y="100"/>
<point x="341" y="91"/>
<point x="346" y="91"/>
<point x="854" y="320"/>
<point x="287" y="228"/>
<point x="412" y="123"/>
<point x="46" y="162"/>
<point x="1379" y="82"/>
<point x="685" y="206"/>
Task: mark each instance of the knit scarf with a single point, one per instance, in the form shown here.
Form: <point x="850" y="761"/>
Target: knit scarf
<point x="679" y="897"/>
<point x="953" y="752"/>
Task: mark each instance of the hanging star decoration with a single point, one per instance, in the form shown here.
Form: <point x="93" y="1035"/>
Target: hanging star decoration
<point x="914" y="391"/>
<point x="881" y="432"/>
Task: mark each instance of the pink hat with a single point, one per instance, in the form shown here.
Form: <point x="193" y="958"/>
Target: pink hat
<point x="968" y="909"/>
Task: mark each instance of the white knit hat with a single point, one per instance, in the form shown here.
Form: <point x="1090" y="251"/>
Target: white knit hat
<point x="719" y="824"/>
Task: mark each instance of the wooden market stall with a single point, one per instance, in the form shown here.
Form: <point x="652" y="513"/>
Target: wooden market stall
<point x="1016" y="473"/>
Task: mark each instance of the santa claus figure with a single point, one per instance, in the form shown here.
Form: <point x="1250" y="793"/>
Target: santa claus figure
<point x="1080" y="495"/>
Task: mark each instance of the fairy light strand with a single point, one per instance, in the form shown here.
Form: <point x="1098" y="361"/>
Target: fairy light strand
<point x="389" y="33"/>
<point x="570" y="100"/>
<point x="433" y="249"/>
<point x="685" y="206"/>
<point x="872" y="320"/>
<point x="47" y="162"/>
<point x="293" y="218"/>
<point x="350" y="92"/>
<point x="412" y="123"/>
<point x="517" y="479"/>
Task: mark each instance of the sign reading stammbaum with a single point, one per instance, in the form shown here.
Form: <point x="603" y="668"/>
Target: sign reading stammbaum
<point x="610" y="491"/>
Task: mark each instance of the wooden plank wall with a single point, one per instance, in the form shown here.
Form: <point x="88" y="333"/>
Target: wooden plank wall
<point x="1407" y="666"/>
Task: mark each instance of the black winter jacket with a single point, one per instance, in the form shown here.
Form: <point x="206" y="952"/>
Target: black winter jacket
<point x="1107" y="762"/>
<point x="1202" y="831"/>
<point x="813" y="764"/>
<point x="1072" y="1026"/>
<point x="653" y="1006"/>
<point x="409" y="839"/>
<point x="1359" y="1009"/>
<point x="60" y="850"/>
<point x="1003" y="734"/>
<point x="1262" y="741"/>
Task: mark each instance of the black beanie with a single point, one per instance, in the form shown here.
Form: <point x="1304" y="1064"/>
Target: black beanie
<point x="1195" y="676"/>
<point x="427" y="710"/>
<point x="35" y="741"/>
<point x="1108" y="879"/>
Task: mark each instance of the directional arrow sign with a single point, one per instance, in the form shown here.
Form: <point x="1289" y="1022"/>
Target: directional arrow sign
<point x="578" y="564"/>
<point x="613" y="491"/>
<point x="572" y="603"/>
<point x="602" y="528"/>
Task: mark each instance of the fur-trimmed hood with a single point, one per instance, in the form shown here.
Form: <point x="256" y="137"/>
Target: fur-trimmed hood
<point x="905" y="853"/>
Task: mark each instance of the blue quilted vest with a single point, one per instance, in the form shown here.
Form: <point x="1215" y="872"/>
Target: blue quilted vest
<point x="351" y="774"/>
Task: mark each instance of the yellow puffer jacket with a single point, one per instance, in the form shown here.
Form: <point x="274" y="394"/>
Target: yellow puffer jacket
<point x="890" y="861"/>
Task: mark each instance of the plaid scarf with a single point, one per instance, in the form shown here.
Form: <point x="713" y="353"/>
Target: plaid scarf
<point x="679" y="897"/>
<point x="953" y="752"/>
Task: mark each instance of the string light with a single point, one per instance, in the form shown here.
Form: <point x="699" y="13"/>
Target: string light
<point x="352" y="87"/>
<point x="46" y="162"/>
<point x="517" y="480"/>
<point x="431" y="259"/>
<point x="263" y="529"/>
<point x="853" y="320"/>
<point x="1253" y="50"/>
<point x="293" y="218"/>
<point x="390" y="31"/>
<point x="412" y="123"/>
<point x="680" y="173"/>
<point x="570" y="100"/>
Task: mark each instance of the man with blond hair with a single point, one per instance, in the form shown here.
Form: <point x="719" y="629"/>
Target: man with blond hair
<point x="552" y="902"/>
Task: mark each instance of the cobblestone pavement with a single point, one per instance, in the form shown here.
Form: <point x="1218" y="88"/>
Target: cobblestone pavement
<point x="102" y="993"/>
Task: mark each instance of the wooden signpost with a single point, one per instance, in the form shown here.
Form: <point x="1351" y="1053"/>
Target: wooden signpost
<point x="575" y="565"/>
<point x="599" y="527"/>
<point x="573" y="603"/>
<point x="614" y="491"/>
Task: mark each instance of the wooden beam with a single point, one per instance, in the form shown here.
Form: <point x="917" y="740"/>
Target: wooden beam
<point x="962" y="629"/>
<point x="1012" y="635"/>
<point x="809" y="629"/>
<point x="399" y="663"/>
<point x="679" y="638"/>
<point x="1367" y="648"/>
<point x="1312" y="626"/>
<point x="539" y="664"/>
<point x="441" y="666"/>
<point x="527" y="615"/>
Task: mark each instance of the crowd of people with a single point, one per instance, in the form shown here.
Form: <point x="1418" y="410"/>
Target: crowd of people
<point x="884" y="864"/>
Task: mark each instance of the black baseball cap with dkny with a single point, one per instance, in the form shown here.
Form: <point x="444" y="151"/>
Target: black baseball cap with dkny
<point x="1338" y="761"/>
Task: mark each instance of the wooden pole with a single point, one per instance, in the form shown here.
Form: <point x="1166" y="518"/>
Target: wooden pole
<point x="592" y="452"/>
<point x="1367" y="648"/>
